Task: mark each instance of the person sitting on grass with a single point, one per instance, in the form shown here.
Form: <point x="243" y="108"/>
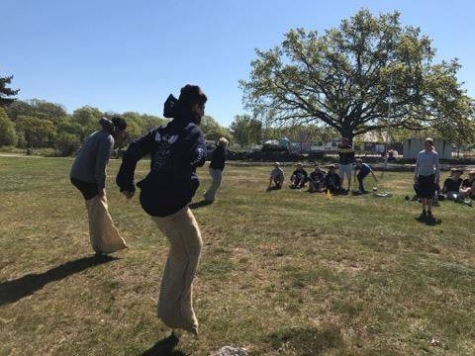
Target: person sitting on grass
<point x="276" y="177"/>
<point x="452" y="184"/>
<point x="468" y="186"/>
<point x="315" y="180"/>
<point x="299" y="177"/>
<point x="332" y="180"/>
<point x="364" y="170"/>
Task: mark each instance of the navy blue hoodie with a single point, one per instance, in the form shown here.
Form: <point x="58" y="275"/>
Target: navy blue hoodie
<point x="176" y="150"/>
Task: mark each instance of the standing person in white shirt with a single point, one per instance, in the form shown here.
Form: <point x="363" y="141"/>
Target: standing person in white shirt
<point x="426" y="177"/>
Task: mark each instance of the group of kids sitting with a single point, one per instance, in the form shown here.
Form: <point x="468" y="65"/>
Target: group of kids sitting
<point x="320" y="180"/>
<point x="456" y="188"/>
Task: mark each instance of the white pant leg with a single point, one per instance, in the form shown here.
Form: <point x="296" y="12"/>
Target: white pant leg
<point x="216" y="178"/>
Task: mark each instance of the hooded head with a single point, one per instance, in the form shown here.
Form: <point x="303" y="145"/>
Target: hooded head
<point x="116" y="126"/>
<point x="190" y="105"/>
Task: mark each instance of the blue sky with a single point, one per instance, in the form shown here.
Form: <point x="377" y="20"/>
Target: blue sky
<point x="129" y="55"/>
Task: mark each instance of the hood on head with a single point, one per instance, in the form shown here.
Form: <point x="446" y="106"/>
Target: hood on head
<point x="173" y="108"/>
<point x="107" y="125"/>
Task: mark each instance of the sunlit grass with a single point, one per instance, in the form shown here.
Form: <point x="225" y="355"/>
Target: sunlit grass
<point x="282" y="273"/>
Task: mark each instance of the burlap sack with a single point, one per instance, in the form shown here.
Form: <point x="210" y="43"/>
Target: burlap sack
<point x="105" y="237"/>
<point x="175" y="305"/>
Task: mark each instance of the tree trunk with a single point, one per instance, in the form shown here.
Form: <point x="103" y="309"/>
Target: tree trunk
<point x="348" y="133"/>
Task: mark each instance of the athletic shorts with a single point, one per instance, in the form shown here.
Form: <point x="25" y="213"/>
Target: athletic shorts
<point x="426" y="186"/>
<point x="346" y="169"/>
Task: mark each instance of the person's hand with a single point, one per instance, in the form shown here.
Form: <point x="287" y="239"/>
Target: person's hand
<point x="127" y="194"/>
<point x="102" y="194"/>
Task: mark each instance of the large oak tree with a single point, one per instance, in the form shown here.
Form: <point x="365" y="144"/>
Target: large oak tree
<point x="367" y="74"/>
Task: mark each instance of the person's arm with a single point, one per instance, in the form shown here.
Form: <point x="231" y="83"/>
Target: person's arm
<point x="136" y="150"/>
<point x="102" y="159"/>
<point x="416" y="172"/>
<point x="437" y="167"/>
<point x="198" y="148"/>
<point x="374" y="176"/>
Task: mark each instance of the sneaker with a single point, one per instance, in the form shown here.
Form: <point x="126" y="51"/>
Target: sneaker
<point x="423" y="215"/>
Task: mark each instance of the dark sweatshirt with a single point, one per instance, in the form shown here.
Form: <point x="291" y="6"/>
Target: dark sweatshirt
<point x="92" y="159"/>
<point x="218" y="158"/>
<point x="176" y="150"/>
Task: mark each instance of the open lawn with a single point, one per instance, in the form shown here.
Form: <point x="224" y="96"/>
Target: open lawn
<point x="282" y="273"/>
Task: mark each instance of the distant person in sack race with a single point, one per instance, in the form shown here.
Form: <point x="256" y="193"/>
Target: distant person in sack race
<point x="216" y="167"/>
<point x="88" y="175"/>
<point x="176" y="151"/>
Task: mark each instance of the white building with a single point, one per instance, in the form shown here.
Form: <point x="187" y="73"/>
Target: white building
<point x="413" y="146"/>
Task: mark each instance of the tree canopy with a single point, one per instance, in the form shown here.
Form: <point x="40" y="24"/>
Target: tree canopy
<point x="212" y="129"/>
<point x="8" y="136"/>
<point x="7" y="94"/>
<point x="246" y="130"/>
<point x="368" y="73"/>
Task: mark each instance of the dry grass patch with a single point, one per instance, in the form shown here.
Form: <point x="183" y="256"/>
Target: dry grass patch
<point x="282" y="272"/>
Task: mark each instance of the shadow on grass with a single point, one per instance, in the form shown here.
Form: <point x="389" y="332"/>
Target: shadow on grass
<point x="429" y="222"/>
<point x="306" y="341"/>
<point x="12" y="291"/>
<point x="165" y="347"/>
<point x="199" y="204"/>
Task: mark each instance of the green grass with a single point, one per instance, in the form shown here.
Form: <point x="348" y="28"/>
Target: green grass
<point x="282" y="273"/>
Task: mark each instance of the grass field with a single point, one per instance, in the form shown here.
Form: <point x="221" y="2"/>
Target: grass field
<point x="282" y="273"/>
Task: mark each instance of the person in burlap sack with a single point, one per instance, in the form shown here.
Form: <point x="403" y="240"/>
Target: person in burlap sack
<point x="176" y="150"/>
<point x="88" y="175"/>
<point x="216" y="167"/>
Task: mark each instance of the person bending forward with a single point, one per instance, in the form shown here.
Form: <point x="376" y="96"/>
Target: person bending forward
<point x="88" y="175"/>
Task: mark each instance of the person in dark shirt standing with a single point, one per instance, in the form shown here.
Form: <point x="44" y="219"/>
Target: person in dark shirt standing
<point x="216" y="167"/>
<point x="347" y="158"/>
<point x="88" y="175"/>
<point x="176" y="151"/>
